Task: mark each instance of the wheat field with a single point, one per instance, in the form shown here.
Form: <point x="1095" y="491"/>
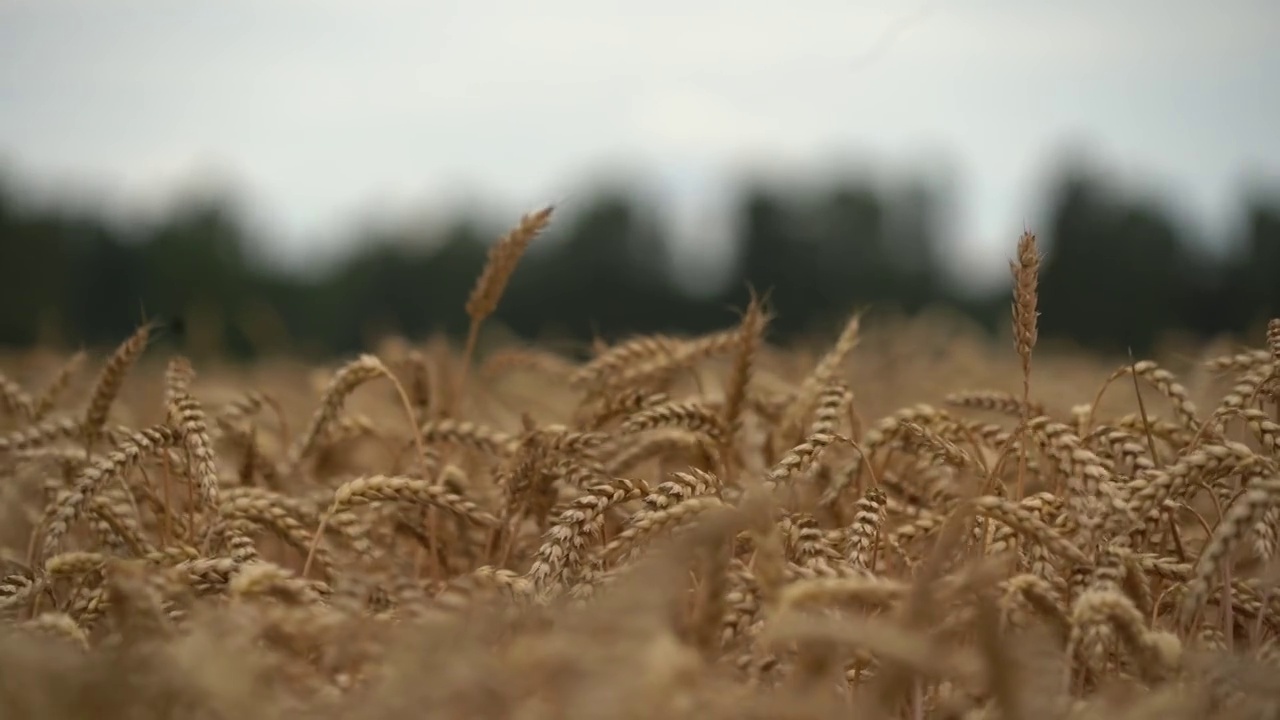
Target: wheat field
<point x="902" y="521"/>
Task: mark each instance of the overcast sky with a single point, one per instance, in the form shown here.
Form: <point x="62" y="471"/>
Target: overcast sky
<point x="319" y="111"/>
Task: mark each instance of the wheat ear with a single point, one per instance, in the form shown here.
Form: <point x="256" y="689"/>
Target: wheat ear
<point x="1026" y="277"/>
<point x="500" y="264"/>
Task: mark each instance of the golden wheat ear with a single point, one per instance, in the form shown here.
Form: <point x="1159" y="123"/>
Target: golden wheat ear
<point x="111" y="380"/>
<point x="492" y="283"/>
<point x="751" y="335"/>
<point x="1026" y="279"/>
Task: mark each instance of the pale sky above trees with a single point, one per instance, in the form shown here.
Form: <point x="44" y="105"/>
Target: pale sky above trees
<point x="319" y="112"/>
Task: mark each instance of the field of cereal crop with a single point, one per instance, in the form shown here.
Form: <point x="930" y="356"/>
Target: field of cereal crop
<point x="904" y="521"/>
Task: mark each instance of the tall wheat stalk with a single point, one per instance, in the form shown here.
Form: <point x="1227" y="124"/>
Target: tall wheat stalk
<point x="492" y="283"/>
<point x="1026" y="275"/>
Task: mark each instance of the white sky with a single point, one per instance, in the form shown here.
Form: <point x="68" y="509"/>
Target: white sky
<point x="320" y="111"/>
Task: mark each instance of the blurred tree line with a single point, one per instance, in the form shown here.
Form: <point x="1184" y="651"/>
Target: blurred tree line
<point x="1119" y="272"/>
